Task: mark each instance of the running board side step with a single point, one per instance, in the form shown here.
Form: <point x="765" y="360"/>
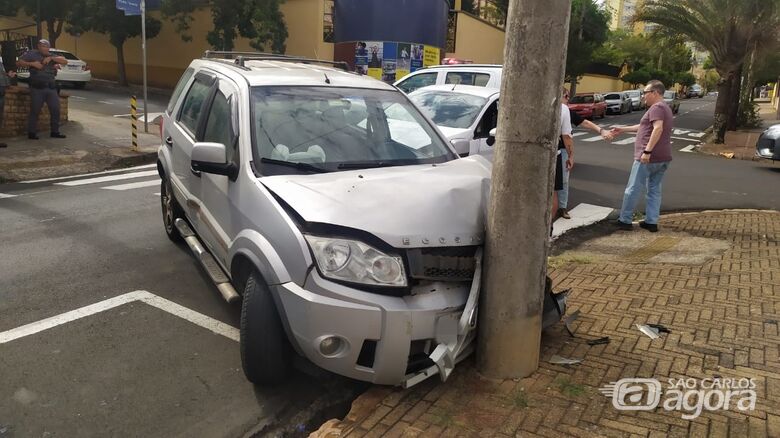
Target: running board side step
<point x="207" y="261"/>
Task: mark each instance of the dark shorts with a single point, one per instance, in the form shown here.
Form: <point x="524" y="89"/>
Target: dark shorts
<point x="558" y="173"/>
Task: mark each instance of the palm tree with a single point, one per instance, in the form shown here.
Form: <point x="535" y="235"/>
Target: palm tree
<point x="729" y="29"/>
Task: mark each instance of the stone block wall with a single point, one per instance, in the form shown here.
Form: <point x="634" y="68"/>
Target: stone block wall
<point x="17" y="107"/>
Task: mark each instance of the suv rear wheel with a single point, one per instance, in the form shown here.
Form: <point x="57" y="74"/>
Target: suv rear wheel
<point x="266" y="354"/>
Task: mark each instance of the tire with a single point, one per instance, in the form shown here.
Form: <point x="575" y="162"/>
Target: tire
<point x="170" y="211"/>
<point x="266" y="354"/>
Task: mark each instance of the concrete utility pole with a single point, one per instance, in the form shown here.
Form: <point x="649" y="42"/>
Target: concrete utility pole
<point x="518" y="222"/>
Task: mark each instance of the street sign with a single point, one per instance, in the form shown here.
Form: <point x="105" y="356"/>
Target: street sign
<point x="130" y="7"/>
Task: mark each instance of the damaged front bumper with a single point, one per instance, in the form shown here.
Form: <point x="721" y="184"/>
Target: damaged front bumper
<point x="388" y="340"/>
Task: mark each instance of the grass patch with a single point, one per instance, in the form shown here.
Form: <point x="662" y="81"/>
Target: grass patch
<point x="520" y="399"/>
<point x="638" y="216"/>
<point x="555" y="262"/>
<point x="568" y="388"/>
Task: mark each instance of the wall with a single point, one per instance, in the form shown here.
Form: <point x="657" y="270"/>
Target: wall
<point x="168" y="55"/>
<point x="478" y="41"/>
<point x="600" y="84"/>
<point x="17" y="108"/>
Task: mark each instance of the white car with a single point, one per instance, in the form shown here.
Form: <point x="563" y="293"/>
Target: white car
<point x="76" y="73"/>
<point x="479" y="75"/>
<point x="464" y="114"/>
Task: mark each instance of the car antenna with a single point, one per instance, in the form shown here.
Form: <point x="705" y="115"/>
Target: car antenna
<point x="453" y="87"/>
<point x="327" y="79"/>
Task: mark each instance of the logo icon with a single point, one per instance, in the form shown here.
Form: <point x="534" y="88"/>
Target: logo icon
<point x="634" y="394"/>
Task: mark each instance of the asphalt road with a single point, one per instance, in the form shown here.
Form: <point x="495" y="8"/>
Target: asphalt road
<point x="693" y="182"/>
<point x="138" y="369"/>
<point x="100" y="98"/>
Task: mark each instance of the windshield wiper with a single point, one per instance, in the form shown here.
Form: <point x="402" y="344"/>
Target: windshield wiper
<point x="367" y="164"/>
<point x="294" y="165"/>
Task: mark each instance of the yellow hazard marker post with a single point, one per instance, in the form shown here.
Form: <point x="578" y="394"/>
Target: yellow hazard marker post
<point x="134" y="118"/>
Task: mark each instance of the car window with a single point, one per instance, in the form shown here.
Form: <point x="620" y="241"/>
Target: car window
<point x="467" y="78"/>
<point x="66" y="55"/>
<point x="193" y="106"/>
<point x="449" y="109"/>
<point x="669" y="94"/>
<point x="418" y="81"/>
<point x="185" y="79"/>
<point x="582" y="99"/>
<point x="218" y="125"/>
<point x="612" y="96"/>
<point x="340" y="128"/>
<point x="488" y="122"/>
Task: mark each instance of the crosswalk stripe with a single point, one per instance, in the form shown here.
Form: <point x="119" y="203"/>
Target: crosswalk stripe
<point x="578" y="134"/>
<point x="591" y="139"/>
<point x="697" y="134"/>
<point x="135" y="185"/>
<point x="101" y="179"/>
<point x="688" y="148"/>
<point x="6" y="195"/>
<point x="681" y="131"/>
<point x="106" y="172"/>
<point x="630" y="140"/>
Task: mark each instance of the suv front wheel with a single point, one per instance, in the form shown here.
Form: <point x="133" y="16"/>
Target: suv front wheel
<point x="266" y="354"/>
<point x="170" y="210"/>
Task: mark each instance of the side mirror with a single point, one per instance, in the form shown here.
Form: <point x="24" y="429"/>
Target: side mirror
<point x="212" y="158"/>
<point x="491" y="140"/>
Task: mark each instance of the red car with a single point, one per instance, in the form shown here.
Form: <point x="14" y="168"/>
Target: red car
<point x="589" y="105"/>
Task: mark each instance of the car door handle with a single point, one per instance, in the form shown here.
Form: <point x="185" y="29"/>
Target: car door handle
<point x="169" y="140"/>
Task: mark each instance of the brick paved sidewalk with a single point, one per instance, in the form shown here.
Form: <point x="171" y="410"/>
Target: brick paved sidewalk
<point x="742" y="143"/>
<point x="713" y="278"/>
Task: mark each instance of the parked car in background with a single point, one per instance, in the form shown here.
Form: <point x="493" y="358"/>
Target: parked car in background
<point x="768" y="144"/>
<point x="464" y="114"/>
<point x="76" y="73"/>
<point x="637" y="99"/>
<point x="618" y="102"/>
<point x="589" y="105"/>
<point x="480" y="75"/>
<point x="695" y="91"/>
<point x="671" y="99"/>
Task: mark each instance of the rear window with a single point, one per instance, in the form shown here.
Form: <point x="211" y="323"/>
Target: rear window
<point x="613" y="96"/>
<point x="417" y="81"/>
<point x="185" y="79"/>
<point x="582" y="99"/>
<point x="66" y="55"/>
<point x="633" y="94"/>
<point x="669" y="94"/>
<point x="468" y="78"/>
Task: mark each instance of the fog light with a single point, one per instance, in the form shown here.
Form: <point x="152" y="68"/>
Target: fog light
<point x="331" y="345"/>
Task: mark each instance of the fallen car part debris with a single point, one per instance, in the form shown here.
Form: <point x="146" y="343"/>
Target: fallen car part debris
<point x="649" y="331"/>
<point x="570" y="319"/>
<point x="560" y="360"/>
<point x="727" y="154"/>
<point x="660" y="328"/>
<point x="599" y="341"/>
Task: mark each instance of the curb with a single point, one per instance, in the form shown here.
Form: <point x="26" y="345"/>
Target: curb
<point x="118" y="163"/>
<point x="106" y="85"/>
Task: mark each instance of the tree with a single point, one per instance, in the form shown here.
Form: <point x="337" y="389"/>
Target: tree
<point x="709" y="80"/>
<point x="637" y="77"/>
<point x="259" y="20"/>
<point x="54" y="13"/>
<point x="102" y="16"/>
<point x="519" y="209"/>
<point x="588" y="31"/>
<point x="728" y="29"/>
<point x="686" y="79"/>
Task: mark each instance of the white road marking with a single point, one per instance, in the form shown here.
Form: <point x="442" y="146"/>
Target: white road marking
<point x="578" y="134"/>
<point x="136" y="185"/>
<point x="689" y="148"/>
<point x="78" y="98"/>
<point x="581" y="215"/>
<point x="105" y="102"/>
<point x="681" y="131"/>
<point x="151" y="299"/>
<point x="697" y="134"/>
<point x="106" y="172"/>
<point x="684" y="138"/>
<point x="141" y="116"/>
<point x="6" y="196"/>
<point x="592" y="139"/>
<point x="630" y="140"/>
<point x="156" y="194"/>
<point x="100" y="179"/>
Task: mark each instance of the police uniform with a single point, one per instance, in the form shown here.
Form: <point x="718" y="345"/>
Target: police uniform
<point x="43" y="89"/>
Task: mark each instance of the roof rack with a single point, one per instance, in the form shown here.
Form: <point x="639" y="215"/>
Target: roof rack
<point x="240" y="58"/>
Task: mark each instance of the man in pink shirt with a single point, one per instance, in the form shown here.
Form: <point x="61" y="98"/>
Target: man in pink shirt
<point x="652" y="155"/>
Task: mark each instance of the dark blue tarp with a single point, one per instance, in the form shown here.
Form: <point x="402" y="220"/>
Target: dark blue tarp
<point x="418" y="21"/>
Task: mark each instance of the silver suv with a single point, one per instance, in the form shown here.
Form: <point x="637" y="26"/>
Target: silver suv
<point x="333" y="208"/>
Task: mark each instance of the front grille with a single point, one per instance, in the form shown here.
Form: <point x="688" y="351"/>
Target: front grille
<point x="442" y="264"/>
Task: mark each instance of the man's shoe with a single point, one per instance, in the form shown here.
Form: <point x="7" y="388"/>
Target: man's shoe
<point x="653" y="228"/>
<point x="564" y="213"/>
<point x="32" y="136"/>
<point x="58" y="135"/>
<point x="624" y="226"/>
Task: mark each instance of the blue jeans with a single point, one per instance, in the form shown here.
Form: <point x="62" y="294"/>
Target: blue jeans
<point x="563" y="194"/>
<point x="649" y="175"/>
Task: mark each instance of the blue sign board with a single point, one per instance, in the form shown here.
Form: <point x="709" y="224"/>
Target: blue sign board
<point x="133" y="7"/>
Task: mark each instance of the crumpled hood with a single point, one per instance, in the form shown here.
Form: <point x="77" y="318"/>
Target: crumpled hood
<point x="453" y="133"/>
<point x="405" y="206"/>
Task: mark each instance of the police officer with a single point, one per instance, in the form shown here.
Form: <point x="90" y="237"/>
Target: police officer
<point x="43" y="87"/>
<point x="4" y="82"/>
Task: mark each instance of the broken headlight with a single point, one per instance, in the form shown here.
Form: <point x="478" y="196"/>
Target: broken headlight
<point x="356" y="262"/>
